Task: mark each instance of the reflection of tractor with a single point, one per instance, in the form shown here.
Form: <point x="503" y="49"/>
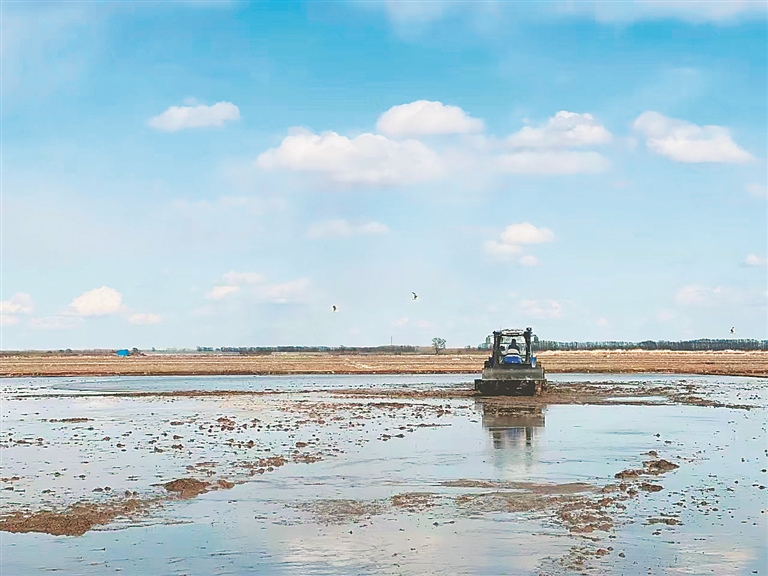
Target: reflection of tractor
<point x="512" y="369"/>
<point x="510" y="425"/>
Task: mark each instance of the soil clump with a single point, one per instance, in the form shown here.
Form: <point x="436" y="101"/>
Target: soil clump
<point x="187" y="487"/>
<point x="74" y="521"/>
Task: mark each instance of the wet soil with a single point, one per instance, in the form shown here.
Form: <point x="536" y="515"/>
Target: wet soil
<point x="187" y="487"/>
<point x="75" y="520"/>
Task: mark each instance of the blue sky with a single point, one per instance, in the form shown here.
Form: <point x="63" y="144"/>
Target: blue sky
<point x="222" y="174"/>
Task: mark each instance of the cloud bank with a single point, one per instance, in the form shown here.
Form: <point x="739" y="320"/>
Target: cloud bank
<point x="20" y="303"/>
<point x="97" y="302"/>
<point x="370" y="159"/>
<point x="254" y="285"/>
<point x="178" y="118"/>
<point x="514" y="238"/>
<point x="755" y="260"/>
<point x="683" y="141"/>
<point x="144" y="318"/>
<point x="423" y="118"/>
<point x="564" y="129"/>
<point x="397" y="157"/>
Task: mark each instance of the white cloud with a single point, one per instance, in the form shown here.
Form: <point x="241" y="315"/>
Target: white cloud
<point x="551" y="162"/>
<point x="237" y="278"/>
<point x="144" y="318"/>
<point x="514" y="237"/>
<point x="529" y="260"/>
<point x="344" y="229"/>
<point x="278" y="293"/>
<point x="695" y="295"/>
<point x="501" y="249"/>
<point x="756" y="190"/>
<point x="406" y="14"/>
<point x="400" y="322"/>
<point x="180" y="117"/>
<point x="547" y="149"/>
<point x="422" y="118"/>
<point x="8" y="320"/>
<point x="564" y="129"/>
<point x="97" y="302"/>
<point x="541" y="308"/>
<point x="526" y="233"/>
<point x="20" y="303"/>
<point x="602" y="322"/>
<point x="377" y="160"/>
<point x="686" y="10"/>
<point x="232" y="283"/>
<point x="287" y="292"/>
<point x="56" y="323"/>
<point x="755" y="260"/>
<point x="220" y="292"/>
<point x="366" y="159"/>
<point x="683" y="141"/>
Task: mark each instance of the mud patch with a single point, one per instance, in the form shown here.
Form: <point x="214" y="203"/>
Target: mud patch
<point x="306" y="458"/>
<point x="656" y="467"/>
<point x="187" y="487"/>
<point x="533" y="487"/>
<point x="650" y="468"/>
<point x="414" y="501"/>
<point x="667" y="521"/>
<point x="342" y="511"/>
<point x="585" y="516"/>
<point x="74" y="521"/>
<point x="491" y="502"/>
<point x="71" y="420"/>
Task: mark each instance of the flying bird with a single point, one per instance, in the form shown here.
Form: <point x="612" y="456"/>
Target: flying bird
<point x="733" y="330"/>
<point x="415" y="296"/>
<point x="334" y="308"/>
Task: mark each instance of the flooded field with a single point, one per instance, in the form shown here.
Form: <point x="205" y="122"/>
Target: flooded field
<point x="398" y="474"/>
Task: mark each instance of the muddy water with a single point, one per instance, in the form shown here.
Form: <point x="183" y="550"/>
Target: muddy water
<point x="380" y="485"/>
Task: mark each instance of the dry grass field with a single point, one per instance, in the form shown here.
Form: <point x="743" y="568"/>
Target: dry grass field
<point x="635" y="361"/>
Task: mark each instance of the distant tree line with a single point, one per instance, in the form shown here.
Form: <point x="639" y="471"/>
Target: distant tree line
<point x="702" y="344"/>
<point x="256" y="350"/>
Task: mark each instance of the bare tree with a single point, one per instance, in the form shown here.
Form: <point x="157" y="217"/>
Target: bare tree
<point x="439" y="344"/>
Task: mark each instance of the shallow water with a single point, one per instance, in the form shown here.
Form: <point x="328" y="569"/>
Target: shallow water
<point x="304" y="518"/>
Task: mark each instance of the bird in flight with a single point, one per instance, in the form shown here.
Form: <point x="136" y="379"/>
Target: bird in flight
<point x="733" y="330"/>
<point x="415" y="296"/>
<point x="334" y="308"/>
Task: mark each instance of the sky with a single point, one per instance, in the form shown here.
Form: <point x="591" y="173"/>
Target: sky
<point x="181" y="174"/>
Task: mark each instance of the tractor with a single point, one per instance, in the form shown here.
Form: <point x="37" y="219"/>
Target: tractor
<point x="512" y="369"/>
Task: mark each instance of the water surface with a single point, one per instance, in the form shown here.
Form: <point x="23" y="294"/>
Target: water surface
<point x="279" y="522"/>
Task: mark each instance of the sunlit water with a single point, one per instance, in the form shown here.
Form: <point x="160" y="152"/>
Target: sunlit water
<point x="260" y="526"/>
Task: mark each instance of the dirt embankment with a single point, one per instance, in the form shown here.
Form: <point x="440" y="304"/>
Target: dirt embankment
<point x="634" y="361"/>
